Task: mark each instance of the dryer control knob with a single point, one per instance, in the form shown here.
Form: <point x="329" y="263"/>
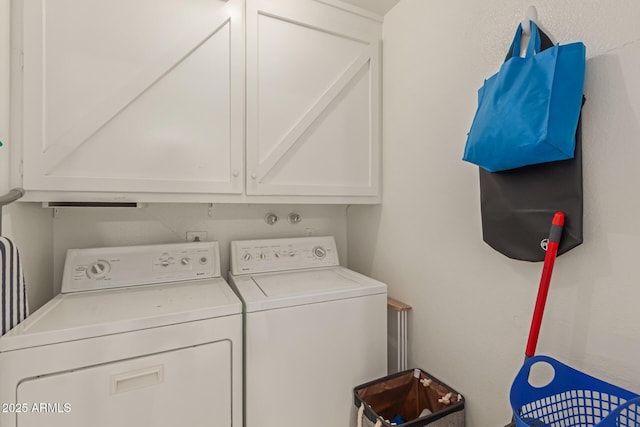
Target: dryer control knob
<point x="185" y="261"/>
<point x="98" y="269"/>
<point x="319" y="252"/>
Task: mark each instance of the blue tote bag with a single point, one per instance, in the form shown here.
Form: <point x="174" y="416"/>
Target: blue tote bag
<point x="528" y="111"/>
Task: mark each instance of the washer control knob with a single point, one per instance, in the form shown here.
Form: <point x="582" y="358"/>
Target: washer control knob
<point x="98" y="269"/>
<point x="247" y="256"/>
<point x="185" y="261"/>
<point x="319" y="252"/>
<point x="263" y="255"/>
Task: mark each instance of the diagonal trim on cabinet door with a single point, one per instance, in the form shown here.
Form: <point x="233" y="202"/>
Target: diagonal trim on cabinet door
<point x="292" y="138"/>
<point x="100" y="116"/>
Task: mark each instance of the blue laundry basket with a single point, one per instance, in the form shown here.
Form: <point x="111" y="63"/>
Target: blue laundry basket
<point x="571" y="399"/>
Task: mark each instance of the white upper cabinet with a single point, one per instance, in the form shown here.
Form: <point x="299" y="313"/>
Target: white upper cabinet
<point x="198" y="100"/>
<point x="133" y="96"/>
<point x="313" y="107"/>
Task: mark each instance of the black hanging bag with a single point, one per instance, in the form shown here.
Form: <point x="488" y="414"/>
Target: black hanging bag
<point x="518" y="205"/>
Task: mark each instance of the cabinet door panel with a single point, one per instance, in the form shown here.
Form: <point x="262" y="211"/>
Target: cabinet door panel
<point x="312" y="100"/>
<point x="133" y="96"/>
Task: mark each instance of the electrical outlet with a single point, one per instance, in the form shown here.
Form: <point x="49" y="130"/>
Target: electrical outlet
<point x="196" y="236"/>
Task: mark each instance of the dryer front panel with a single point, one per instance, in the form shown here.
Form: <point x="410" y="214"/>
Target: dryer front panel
<point x="186" y="387"/>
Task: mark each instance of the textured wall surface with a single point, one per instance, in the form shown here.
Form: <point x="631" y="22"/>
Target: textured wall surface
<point x="472" y="306"/>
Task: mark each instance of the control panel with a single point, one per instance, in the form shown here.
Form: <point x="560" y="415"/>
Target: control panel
<point x="112" y="267"/>
<point x="270" y="255"/>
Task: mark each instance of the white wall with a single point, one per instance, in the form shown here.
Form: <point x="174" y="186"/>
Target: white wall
<point x="167" y="223"/>
<point x="472" y="306"/>
<point x="25" y="223"/>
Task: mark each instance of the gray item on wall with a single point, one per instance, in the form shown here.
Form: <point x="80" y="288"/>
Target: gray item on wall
<point x="518" y="205"/>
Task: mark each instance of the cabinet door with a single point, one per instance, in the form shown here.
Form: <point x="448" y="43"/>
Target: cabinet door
<point x="312" y="100"/>
<point x="141" y="96"/>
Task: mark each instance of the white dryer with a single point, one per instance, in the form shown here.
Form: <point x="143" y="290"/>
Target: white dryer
<point x="139" y="336"/>
<point x="313" y="331"/>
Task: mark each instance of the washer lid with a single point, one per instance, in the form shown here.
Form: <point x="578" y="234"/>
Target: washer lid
<point x="82" y="315"/>
<point x="286" y="289"/>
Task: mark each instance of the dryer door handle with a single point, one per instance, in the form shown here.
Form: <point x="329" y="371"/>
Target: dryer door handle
<point x="139" y="378"/>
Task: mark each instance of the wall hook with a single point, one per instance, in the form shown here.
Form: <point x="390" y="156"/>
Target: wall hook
<point x="530" y="15"/>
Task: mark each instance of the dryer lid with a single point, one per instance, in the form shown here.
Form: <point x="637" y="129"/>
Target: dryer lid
<point x="286" y="289"/>
<point x="82" y="315"/>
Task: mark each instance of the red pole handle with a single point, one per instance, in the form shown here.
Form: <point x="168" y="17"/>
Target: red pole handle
<point x="552" y="250"/>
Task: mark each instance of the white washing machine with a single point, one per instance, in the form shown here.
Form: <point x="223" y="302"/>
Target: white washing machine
<point x="139" y="336"/>
<point x="313" y="331"/>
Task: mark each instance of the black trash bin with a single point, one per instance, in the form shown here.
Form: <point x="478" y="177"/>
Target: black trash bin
<point x="412" y="398"/>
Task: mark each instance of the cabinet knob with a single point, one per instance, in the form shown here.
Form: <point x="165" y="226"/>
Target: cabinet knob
<point x="236" y="173"/>
<point x="254" y="176"/>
